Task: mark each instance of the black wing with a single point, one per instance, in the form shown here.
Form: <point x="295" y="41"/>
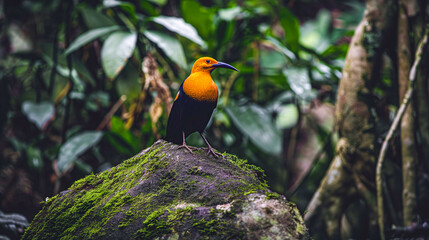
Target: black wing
<point x="174" y="125"/>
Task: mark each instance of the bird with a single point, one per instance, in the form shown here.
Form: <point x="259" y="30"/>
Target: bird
<point x="194" y="104"/>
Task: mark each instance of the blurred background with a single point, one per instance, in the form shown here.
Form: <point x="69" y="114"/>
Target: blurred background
<point x="75" y="98"/>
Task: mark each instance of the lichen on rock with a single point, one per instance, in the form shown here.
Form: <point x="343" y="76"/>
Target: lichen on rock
<point x="166" y="193"/>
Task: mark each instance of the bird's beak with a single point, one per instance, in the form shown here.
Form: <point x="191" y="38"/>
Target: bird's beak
<point x="224" y="65"/>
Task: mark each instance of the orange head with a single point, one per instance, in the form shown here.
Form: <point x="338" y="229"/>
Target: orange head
<point x="208" y="64"/>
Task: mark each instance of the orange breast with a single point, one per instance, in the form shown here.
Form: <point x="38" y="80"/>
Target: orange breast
<point x="200" y="86"/>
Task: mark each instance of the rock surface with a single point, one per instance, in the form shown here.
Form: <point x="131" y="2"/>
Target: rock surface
<point x="166" y="193"/>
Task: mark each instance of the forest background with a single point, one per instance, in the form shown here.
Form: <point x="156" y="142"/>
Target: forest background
<point x="87" y="84"/>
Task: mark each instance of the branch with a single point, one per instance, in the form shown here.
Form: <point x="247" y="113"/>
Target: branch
<point x="392" y="129"/>
<point x="112" y="111"/>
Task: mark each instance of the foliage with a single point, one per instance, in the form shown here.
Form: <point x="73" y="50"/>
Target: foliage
<point x="67" y="66"/>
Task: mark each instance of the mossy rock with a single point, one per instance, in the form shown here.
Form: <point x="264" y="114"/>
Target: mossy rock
<point x="169" y="193"/>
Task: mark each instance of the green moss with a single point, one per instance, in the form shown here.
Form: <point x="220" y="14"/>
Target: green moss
<point x="249" y="168"/>
<point x="371" y="41"/>
<point x="129" y="217"/>
<point x="75" y="210"/>
<point x="272" y="195"/>
<point x="219" y="226"/>
<point x="168" y="178"/>
<point x="207" y="227"/>
<point x="153" y="227"/>
<point x="156" y="163"/>
<point x="249" y="192"/>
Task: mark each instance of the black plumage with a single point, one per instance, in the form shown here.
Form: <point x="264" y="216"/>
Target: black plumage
<point x="188" y="115"/>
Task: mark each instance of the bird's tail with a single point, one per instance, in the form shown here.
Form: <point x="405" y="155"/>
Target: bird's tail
<point x="174" y="127"/>
<point x="174" y="136"/>
<point x="174" y="132"/>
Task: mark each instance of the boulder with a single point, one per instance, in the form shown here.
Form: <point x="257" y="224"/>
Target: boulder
<point x="169" y="193"/>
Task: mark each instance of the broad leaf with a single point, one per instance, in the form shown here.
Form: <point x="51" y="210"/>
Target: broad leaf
<point x="255" y="122"/>
<point x="289" y="54"/>
<point x="159" y="2"/>
<point x="171" y="46"/>
<point x="229" y="14"/>
<point x="202" y="19"/>
<point x="315" y="33"/>
<point x="95" y="19"/>
<point x="126" y="6"/>
<point x="117" y="126"/>
<point x="179" y="26"/>
<point x="290" y="25"/>
<point x="38" y="113"/>
<point x="128" y="82"/>
<point x="89" y="36"/>
<point x="34" y="158"/>
<point x="117" y="48"/>
<point x="271" y="61"/>
<point x="74" y="147"/>
<point x="287" y="117"/>
<point x="298" y="80"/>
<point x="82" y="166"/>
<point x="79" y="85"/>
<point x="80" y="73"/>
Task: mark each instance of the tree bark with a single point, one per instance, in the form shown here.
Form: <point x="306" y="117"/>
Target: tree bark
<point x="408" y="148"/>
<point x="351" y="172"/>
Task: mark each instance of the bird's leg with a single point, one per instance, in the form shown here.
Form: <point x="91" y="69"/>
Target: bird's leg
<point x="210" y="149"/>
<point x="190" y="148"/>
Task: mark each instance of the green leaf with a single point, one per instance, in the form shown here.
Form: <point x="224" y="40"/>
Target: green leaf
<point x="290" y="25"/>
<point x="336" y="51"/>
<point x="171" y="46"/>
<point x="298" y="80"/>
<point x="224" y="33"/>
<point x="118" y="127"/>
<point x="79" y="85"/>
<point x="202" y="19"/>
<point x="84" y="167"/>
<point x="116" y="50"/>
<point x="287" y="117"/>
<point x="74" y="147"/>
<point x="38" y="113"/>
<point x="89" y="36"/>
<point x="97" y="100"/>
<point x="19" y="145"/>
<point x="159" y="2"/>
<point x="95" y="19"/>
<point x="128" y="82"/>
<point x="126" y="6"/>
<point x="79" y="72"/>
<point x="34" y="158"/>
<point x="112" y="3"/>
<point x="148" y="8"/>
<point x="271" y="61"/>
<point x="289" y="54"/>
<point x="255" y="122"/>
<point x="179" y="26"/>
<point x="229" y="14"/>
<point x="314" y="34"/>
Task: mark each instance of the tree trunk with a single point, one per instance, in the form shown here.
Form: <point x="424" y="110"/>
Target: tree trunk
<point x="351" y="174"/>
<point x="408" y="148"/>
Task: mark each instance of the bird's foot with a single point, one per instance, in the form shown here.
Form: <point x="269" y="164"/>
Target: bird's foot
<point x="210" y="150"/>
<point x="189" y="148"/>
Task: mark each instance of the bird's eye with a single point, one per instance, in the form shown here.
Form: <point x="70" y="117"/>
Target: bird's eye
<point x="207" y="61"/>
